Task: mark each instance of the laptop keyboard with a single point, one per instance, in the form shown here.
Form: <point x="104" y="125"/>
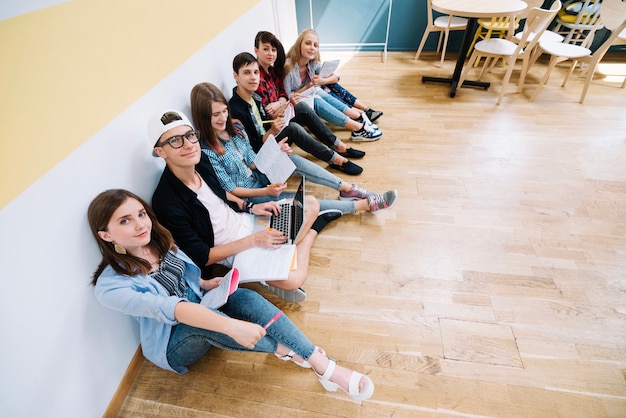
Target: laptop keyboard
<point x="281" y="221"/>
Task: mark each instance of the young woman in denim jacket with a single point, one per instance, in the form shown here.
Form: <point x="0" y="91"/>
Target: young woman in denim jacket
<point x="144" y="275"/>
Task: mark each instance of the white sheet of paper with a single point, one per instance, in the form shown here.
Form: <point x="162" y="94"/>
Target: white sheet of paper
<point x="256" y="263"/>
<point x="328" y="68"/>
<point x="273" y="162"/>
<point x="308" y="96"/>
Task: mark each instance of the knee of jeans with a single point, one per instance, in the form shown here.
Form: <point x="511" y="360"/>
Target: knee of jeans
<point x="188" y="351"/>
<point x="293" y="131"/>
<point x="302" y="107"/>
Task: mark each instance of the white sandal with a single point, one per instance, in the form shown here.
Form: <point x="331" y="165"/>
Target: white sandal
<point x="355" y="379"/>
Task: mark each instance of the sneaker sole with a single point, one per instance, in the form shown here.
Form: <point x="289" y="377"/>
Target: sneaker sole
<point x="292" y="296"/>
<point x="365" y="139"/>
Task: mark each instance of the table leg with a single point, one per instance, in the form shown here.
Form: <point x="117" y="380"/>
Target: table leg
<point x="460" y="61"/>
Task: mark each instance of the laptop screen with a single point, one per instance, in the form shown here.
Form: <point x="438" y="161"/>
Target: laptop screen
<point x="298" y="210"/>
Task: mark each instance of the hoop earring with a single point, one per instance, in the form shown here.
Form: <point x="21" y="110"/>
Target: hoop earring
<point x="119" y="249"/>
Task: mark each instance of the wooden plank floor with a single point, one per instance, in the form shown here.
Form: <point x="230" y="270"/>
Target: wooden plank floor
<point x="497" y="285"/>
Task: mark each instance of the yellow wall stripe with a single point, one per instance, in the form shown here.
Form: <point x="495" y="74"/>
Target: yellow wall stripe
<point x="67" y="70"/>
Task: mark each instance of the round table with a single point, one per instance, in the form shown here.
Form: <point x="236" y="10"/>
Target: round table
<point x="473" y="10"/>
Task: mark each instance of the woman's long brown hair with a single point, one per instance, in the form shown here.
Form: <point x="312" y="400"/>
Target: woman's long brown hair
<point x="99" y="215"/>
<point x="202" y="97"/>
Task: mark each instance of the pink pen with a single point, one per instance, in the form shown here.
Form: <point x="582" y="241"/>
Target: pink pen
<point x="278" y="315"/>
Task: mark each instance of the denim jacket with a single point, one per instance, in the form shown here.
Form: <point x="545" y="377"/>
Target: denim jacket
<point x="292" y="80"/>
<point x="150" y="304"/>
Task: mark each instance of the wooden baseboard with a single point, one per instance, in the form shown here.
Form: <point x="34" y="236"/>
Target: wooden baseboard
<point x="115" y="406"/>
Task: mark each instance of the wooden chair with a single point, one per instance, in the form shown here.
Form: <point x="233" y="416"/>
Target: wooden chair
<point x="547" y="34"/>
<point x="497" y="27"/>
<point x="441" y="24"/>
<point x="576" y="27"/>
<point x="614" y="19"/>
<point x="500" y="26"/>
<point x="495" y="48"/>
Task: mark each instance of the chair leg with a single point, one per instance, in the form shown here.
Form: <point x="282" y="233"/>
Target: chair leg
<point x="505" y="81"/>
<point x="591" y="69"/>
<point x="446" y="33"/>
<point x="551" y="65"/>
<point x="522" y="76"/>
<point x="439" y="42"/>
<point x="466" y="70"/>
<point x="485" y="65"/>
<point x="424" y="37"/>
<point x="590" y="73"/>
<point x="571" y="70"/>
<point x="490" y="62"/>
<point x="534" y="56"/>
<point x="624" y="83"/>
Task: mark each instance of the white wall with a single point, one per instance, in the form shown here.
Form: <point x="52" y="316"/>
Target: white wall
<point x="62" y="354"/>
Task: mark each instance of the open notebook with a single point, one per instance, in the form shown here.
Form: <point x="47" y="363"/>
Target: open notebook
<point x="218" y="296"/>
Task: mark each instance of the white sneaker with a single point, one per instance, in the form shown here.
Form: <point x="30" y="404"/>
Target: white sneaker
<point x="366" y="134"/>
<point x="367" y="121"/>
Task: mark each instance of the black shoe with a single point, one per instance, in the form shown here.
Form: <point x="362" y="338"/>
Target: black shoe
<point x="372" y="114"/>
<point x="324" y="218"/>
<point x="352" y="153"/>
<point x="349" y="168"/>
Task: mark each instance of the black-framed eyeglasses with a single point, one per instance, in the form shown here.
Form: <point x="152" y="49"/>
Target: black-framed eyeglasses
<point x="177" y="141"/>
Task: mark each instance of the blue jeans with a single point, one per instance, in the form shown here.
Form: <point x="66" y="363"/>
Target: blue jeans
<point x="330" y="108"/>
<point x="188" y="344"/>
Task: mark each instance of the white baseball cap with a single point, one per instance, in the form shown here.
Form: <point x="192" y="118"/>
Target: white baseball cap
<point x="162" y="122"/>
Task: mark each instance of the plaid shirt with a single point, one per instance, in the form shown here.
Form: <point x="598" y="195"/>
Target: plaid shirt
<point x="231" y="170"/>
<point x="271" y="87"/>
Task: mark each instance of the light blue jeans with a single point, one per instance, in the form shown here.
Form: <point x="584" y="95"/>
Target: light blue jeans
<point x="188" y="344"/>
<point x="330" y="108"/>
<point x="315" y="174"/>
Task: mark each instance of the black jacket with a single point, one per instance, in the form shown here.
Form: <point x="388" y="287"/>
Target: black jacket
<point x="178" y="209"/>
<point x="242" y="110"/>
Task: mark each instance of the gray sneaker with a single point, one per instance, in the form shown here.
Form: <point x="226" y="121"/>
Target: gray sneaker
<point x="294" y="296"/>
<point x="356" y="193"/>
<point x="383" y="201"/>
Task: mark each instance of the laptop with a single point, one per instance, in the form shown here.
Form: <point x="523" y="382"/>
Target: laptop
<point x="289" y="220"/>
